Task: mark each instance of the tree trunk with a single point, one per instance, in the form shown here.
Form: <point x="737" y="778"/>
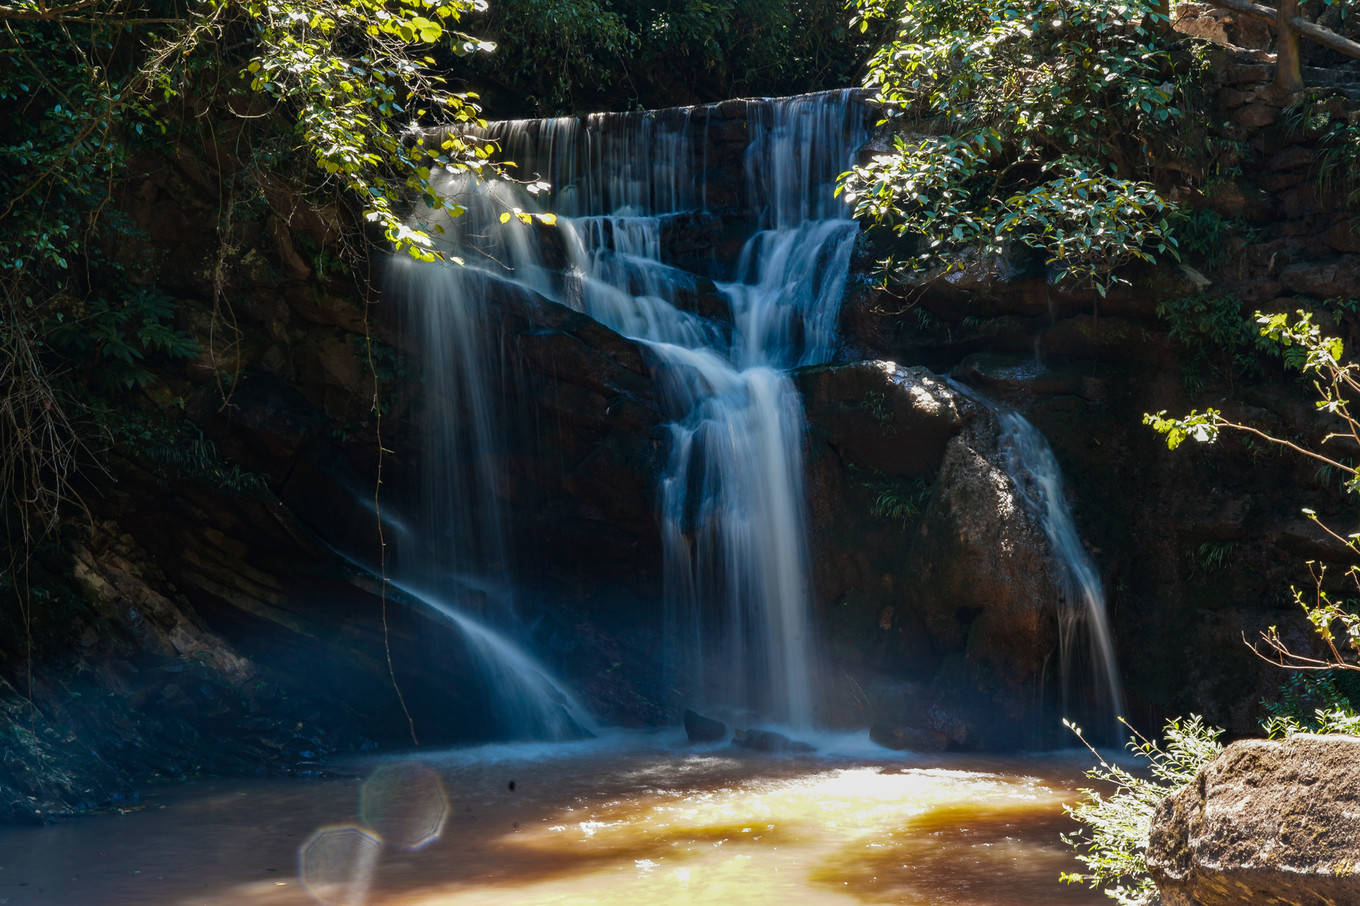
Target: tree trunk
<point x="1288" y="77"/>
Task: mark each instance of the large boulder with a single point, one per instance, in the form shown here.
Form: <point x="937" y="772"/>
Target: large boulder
<point x="932" y="569"/>
<point x="703" y="729"/>
<point x="1265" y="822"/>
<point x="876" y="437"/>
<point x="986" y="588"/>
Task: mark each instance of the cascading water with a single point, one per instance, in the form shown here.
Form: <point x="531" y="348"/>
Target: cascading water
<point x="458" y="564"/>
<point x="523" y="698"/>
<point x="1034" y="470"/>
<point x="733" y="501"/>
<point x="529" y="701"/>
<point x="732" y="505"/>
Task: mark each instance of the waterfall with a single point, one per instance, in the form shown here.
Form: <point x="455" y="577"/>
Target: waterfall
<point x="527" y="697"/>
<point x="458" y="564"/>
<point x="1034" y="470"/>
<point x="733" y="501"/>
<point x="732" y="507"/>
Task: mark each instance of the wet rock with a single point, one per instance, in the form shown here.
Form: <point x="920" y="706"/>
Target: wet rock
<point x="703" y="729"/>
<point x="1265" y="822"/>
<point x="906" y="479"/>
<point x="908" y="738"/>
<point x="882" y="416"/>
<point x="985" y="589"/>
<point x="768" y="741"/>
<point x="689" y="238"/>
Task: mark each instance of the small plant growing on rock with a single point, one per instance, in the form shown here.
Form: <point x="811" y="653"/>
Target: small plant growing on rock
<point x="901" y="501"/>
<point x="1113" y="840"/>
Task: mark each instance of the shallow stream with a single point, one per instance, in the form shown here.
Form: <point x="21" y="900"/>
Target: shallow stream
<point x="629" y="819"/>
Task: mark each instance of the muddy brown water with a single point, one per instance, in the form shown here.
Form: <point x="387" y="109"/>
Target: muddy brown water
<point x="632" y="820"/>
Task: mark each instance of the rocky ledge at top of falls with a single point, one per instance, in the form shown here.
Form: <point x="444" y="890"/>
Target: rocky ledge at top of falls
<point x="1265" y="822"/>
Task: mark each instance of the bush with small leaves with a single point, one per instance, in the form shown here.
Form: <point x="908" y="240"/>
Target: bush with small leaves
<point x="1030" y="125"/>
<point x="1117" y="818"/>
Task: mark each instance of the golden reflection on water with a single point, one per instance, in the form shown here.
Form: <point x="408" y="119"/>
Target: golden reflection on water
<point x="841" y="835"/>
<point x="633" y="827"/>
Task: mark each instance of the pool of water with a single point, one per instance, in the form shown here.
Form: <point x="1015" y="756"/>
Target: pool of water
<point x="631" y="819"/>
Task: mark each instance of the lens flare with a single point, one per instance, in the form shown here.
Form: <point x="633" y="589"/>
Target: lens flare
<point x="405" y="804"/>
<point x="337" y="865"/>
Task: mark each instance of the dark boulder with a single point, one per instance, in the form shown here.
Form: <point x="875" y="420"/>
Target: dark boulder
<point x="768" y="741"/>
<point x="703" y="729"/>
<point x="881" y="416"/>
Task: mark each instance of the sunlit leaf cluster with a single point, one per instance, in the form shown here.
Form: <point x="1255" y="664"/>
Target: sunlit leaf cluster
<point x="355" y="74"/>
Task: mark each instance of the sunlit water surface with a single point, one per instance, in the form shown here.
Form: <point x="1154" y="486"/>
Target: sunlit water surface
<point x="628" y="820"/>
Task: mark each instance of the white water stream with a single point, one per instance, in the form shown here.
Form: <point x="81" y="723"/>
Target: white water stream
<point x="732" y="502"/>
<point x="1034" y="469"/>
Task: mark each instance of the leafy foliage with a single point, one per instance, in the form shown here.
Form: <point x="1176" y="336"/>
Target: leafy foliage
<point x="116" y="337"/>
<point x="552" y="50"/>
<point x="177" y="449"/>
<point x="313" y="96"/>
<point x="1113" y="841"/>
<point x="1202" y="235"/>
<point x="347" y="71"/>
<point x="1337" y="139"/>
<point x="1043" y="115"/>
<point x="1310" y="703"/>
<point x="1217" y="334"/>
